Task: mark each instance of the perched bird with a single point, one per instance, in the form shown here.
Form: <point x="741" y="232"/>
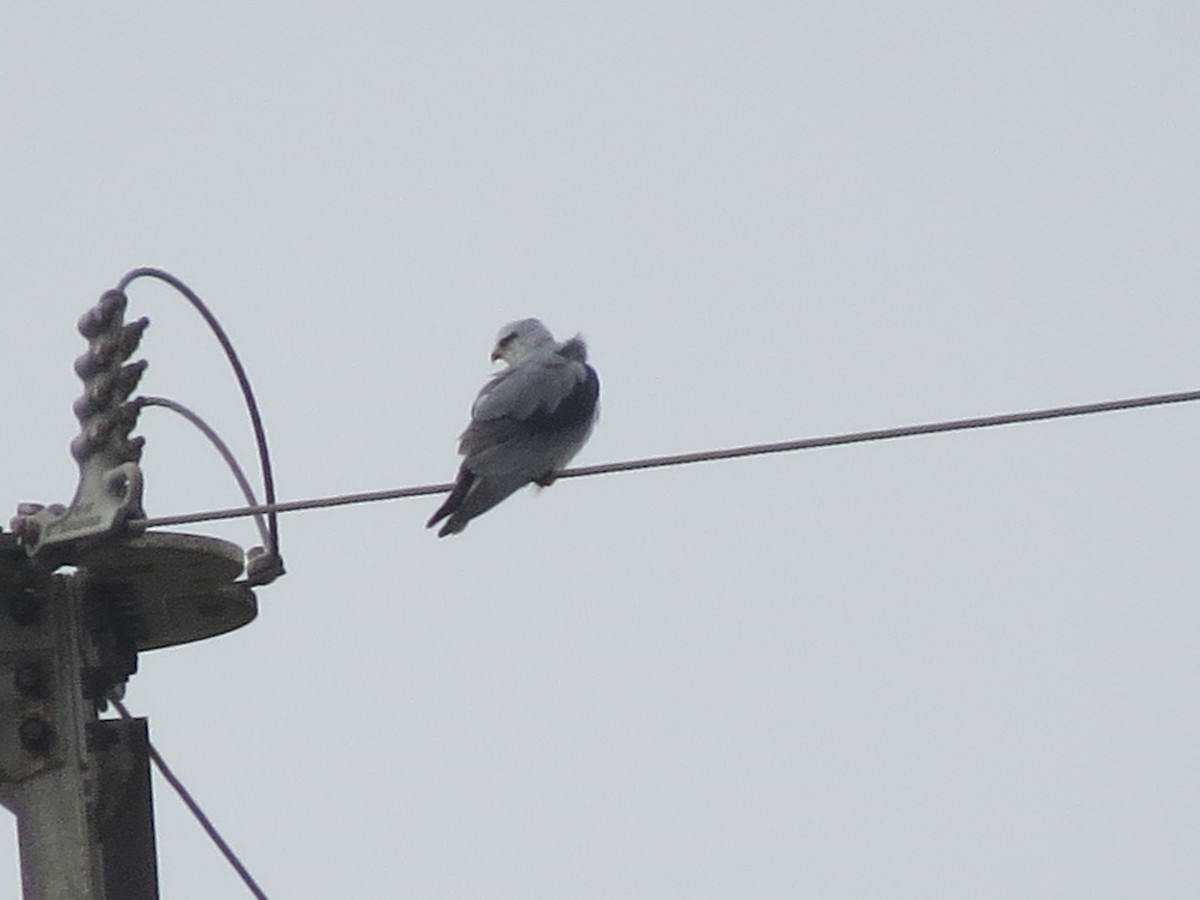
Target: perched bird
<point x="526" y="424"/>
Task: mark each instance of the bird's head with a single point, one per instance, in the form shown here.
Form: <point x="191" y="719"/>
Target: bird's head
<point x="520" y="340"/>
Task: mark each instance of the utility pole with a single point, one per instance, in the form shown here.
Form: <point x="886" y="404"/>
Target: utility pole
<point x="78" y="784"/>
<point x="43" y="749"/>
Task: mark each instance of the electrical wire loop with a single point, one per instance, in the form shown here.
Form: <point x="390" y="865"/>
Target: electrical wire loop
<point x="262" y="566"/>
<point x="274" y="568"/>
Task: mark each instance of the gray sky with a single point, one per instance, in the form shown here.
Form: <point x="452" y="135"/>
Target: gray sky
<point x="959" y="666"/>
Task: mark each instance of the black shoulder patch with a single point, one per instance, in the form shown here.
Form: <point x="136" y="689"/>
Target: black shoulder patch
<point x="576" y="408"/>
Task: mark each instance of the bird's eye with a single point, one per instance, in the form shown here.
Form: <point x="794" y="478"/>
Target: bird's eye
<point x="508" y="339"/>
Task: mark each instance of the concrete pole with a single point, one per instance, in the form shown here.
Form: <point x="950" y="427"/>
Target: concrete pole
<point x="80" y="786"/>
<point x="60" y="853"/>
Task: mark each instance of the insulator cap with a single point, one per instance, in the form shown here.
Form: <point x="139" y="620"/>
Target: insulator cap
<point x="100" y="317"/>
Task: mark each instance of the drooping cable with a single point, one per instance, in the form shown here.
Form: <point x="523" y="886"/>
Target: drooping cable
<point x="190" y="802"/>
<point x="260" y="435"/>
<point x="221" y="447"/>
<point x="857" y="437"/>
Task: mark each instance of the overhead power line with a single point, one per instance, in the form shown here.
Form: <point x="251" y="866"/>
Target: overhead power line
<point x="190" y="802"/>
<point x="679" y="459"/>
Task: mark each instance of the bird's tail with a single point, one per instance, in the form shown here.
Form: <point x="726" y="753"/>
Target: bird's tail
<point x="483" y="492"/>
<point x="455" y="499"/>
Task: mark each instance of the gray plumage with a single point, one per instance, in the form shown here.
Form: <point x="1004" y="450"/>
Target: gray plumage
<point x="526" y="424"/>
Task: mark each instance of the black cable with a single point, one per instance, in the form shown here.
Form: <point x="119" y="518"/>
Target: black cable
<point x="884" y="434"/>
<point x="189" y="801"/>
<point x="260" y="435"/>
<point x="222" y="448"/>
<point x="653" y="462"/>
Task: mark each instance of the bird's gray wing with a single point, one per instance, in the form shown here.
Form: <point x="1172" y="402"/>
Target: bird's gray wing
<point x="526" y="424"/>
<point x="532" y="419"/>
<point x="520" y="392"/>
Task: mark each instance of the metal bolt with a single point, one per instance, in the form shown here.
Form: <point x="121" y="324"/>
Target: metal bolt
<point x="32" y="681"/>
<point x="118" y="484"/>
<point x="28" y="530"/>
<point x="37" y="735"/>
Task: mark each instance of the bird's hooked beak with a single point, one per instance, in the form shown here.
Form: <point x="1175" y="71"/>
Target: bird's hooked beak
<point x="503" y="345"/>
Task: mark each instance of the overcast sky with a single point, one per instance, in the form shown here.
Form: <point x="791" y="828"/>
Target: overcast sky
<point x="944" y="667"/>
